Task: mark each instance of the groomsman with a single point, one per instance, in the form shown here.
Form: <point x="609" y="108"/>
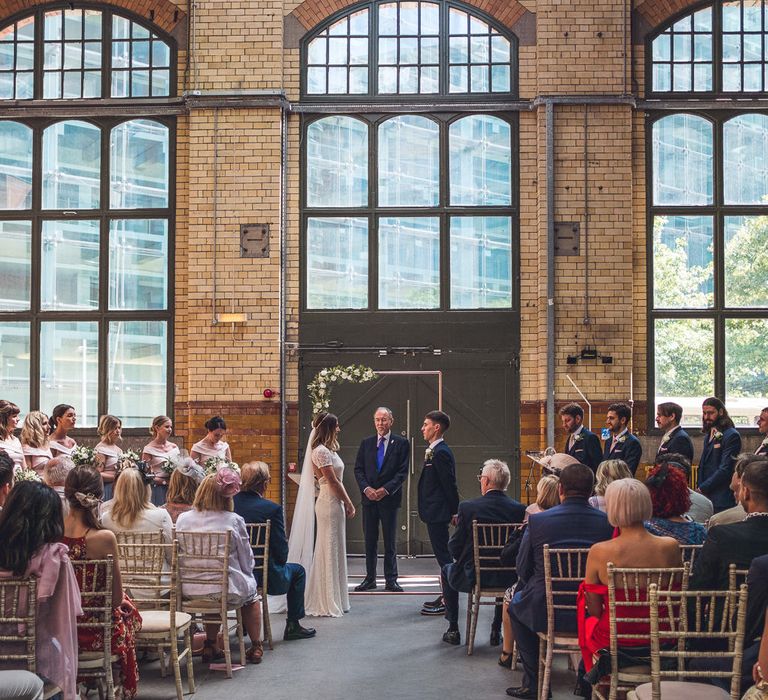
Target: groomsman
<point x="762" y="427"/>
<point x="621" y="443"/>
<point x="582" y="444"/>
<point x="380" y="469"/>
<point x="722" y="444"/>
<point x="675" y="440"/>
<point x="438" y="494"/>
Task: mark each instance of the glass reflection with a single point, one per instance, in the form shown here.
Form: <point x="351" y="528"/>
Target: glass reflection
<point x="746" y="268"/>
<point x="71" y="165"/>
<point x="70" y="265"/>
<point x="139" y="165"/>
<point x="745" y="155"/>
<point x="15" y="265"/>
<point x="15" y="166"/>
<point x="138" y="264"/>
<point x="14" y="362"/>
<point x="746" y="368"/>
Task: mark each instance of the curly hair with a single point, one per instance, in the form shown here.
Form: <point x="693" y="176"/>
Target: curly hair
<point x="669" y="492"/>
<point x="33" y="430"/>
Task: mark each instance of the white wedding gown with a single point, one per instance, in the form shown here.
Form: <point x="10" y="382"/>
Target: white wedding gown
<point x="327" y="594"/>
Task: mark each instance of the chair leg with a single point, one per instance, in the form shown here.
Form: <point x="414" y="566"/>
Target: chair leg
<point x="542" y="663"/>
<point x="469" y="621"/>
<point x="547" y="677"/>
<point x="473" y="628"/>
<point x="514" y="656"/>
<point x="240" y="636"/>
<point x="174" y="654"/>
<point x="163" y="668"/>
<point x="227" y="649"/>
<point x="267" y="623"/>
<point x="190" y="665"/>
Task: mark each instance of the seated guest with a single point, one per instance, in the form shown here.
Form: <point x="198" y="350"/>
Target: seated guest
<point x="669" y="496"/>
<point x="757" y="584"/>
<point x="182" y="486"/>
<point x="6" y="477"/>
<point x="34" y="440"/>
<point x="701" y="507"/>
<point x="760" y="690"/>
<point x="21" y="685"/>
<point x="573" y="523"/>
<point x="213" y="513"/>
<point x="55" y="474"/>
<point x="607" y="472"/>
<point x="283" y="578"/>
<point x="546" y="497"/>
<point x="86" y="539"/>
<point x="494" y="506"/>
<point x="737" y="513"/>
<point x="31" y="526"/>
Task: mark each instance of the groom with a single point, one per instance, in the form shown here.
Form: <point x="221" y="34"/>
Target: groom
<point x="380" y="469"/>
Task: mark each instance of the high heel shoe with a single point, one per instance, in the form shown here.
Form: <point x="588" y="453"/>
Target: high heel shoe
<point x="211" y="653"/>
<point x="505" y="660"/>
<point x="255" y="653"/>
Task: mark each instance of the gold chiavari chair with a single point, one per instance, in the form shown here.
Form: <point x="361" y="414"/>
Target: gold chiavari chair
<point x="258" y="534"/>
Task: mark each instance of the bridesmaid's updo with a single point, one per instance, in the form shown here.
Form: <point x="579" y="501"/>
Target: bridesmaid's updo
<point x="325" y="432"/>
<point x="157" y="423"/>
<point x="215" y="423"/>
<point x="57" y="413"/>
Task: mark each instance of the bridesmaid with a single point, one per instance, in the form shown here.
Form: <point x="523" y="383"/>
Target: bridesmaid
<point x="34" y="441"/>
<point x="62" y="420"/>
<point x="212" y="445"/>
<point x="9" y="419"/>
<point x="156" y="452"/>
<point x="108" y="452"/>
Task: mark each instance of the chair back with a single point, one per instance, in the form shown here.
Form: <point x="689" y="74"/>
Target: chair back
<point x="258" y="535"/>
<point x="18" y="611"/>
<point x="488" y="539"/>
<point x="203" y="569"/>
<point x="690" y="552"/>
<point x="564" y="570"/>
<point x="736" y="577"/>
<point x="146" y="576"/>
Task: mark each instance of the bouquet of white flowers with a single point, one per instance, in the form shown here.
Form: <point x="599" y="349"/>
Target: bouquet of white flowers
<point x="27" y="474"/>
<point x="82" y="455"/>
<point x="213" y="464"/>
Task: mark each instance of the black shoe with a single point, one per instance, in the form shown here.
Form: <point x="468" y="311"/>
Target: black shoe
<point x="452" y="637"/>
<point x="367" y="585"/>
<point x="393" y="587"/>
<point x="433" y="611"/>
<point x="436" y="603"/>
<point x="293" y="631"/>
<point x="495" y="637"/>
<point x="506" y="660"/>
<point x="522" y="692"/>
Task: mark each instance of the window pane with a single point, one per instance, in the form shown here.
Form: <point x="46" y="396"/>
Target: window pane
<point x="69" y="367"/>
<point x="14" y="362"/>
<point x="337" y="163"/>
<point x="746" y="261"/>
<point x="15" y="166"/>
<point x="682" y="160"/>
<point x="682" y="262"/>
<point x="480" y="154"/>
<point x="138" y="264"/>
<point x="139" y="165"/>
<point x="481" y="262"/>
<point x="746" y="368"/>
<point x="409" y="162"/>
<point x="15" y="265"/>
<point x="745" y="155"/>
<point x="137" y="371"/>
<point x="409" y="263"/>
<point x="71" y="165"/>
<point x="70" y="265"/>
<point x="337" y="263"/>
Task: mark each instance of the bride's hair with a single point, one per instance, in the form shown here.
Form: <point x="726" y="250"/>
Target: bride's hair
<point x="325" y="431"/>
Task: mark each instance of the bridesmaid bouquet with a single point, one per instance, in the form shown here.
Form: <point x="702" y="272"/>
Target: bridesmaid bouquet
<point x="26" y="474"/>
<point x="213" y="464"/>
<point x="82" y="455"/>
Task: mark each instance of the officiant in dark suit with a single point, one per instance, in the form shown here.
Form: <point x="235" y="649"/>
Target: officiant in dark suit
<point x="380" y="469"/>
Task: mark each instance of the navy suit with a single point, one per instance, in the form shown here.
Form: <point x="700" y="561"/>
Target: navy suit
<point x="283" y="578"/>
<point x="630" y="451"/>
<point x="762" y="449"/>
<point x="393" y="472"/>
<point x="572" y="524"/>
<point x="679" y="443"/>
<point x="716" y="468"/>
<point x="439" y="499"/>
<point x="586" y="448"/>
<point x="459" y="575"/>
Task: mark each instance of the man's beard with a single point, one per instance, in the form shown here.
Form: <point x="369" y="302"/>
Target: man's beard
<point x="707" y="424"/>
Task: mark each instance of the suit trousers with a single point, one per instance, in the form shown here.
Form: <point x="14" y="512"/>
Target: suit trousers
<point x="438" y="538"/>
<point x="528" y="645"/>
<point x="373" y="513"/>
<point x="297" y="581"/>
<point x="454" y="580"/>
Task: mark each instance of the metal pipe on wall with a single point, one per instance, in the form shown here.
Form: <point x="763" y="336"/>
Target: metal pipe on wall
<point x="550" y="127"/>
<point x="283" y="297"/>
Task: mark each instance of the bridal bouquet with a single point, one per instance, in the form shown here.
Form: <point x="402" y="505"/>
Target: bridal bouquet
<point x="82" y="455"/>
<point x="168" y="466"/>
<point x="26" y="474"/>
<point x="213" y="464"/>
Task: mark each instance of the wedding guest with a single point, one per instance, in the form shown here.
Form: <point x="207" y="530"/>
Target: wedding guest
<point x="675" y="439"/>
<point x="701" y="509"/>
<point x="213" y="444"/>
<point x="6" y="477"/>
<point x="546" y="493"/>
<point x="34" y="440"/>
<point x="737" y="513"/>
<point x="108" y="452"/>
<point x="157" y="452"/>
<point x="62" y="420"/>
<point x="182" y="486"/>
<point x="213" y="513"/>
<point x="621" y="444"/>
<point x="86" y="539"/>
<point x="760" y="669"/>
<point x="582" y="444"/>
<point x="607" y="472"/>
<point x="9" y="419"/>
<point x="669" y="496"/>
<point x="31" y="526"/>
<point x="21" y="685"/>
<point x="722" y="443"/>
<point x="55" y="475"/>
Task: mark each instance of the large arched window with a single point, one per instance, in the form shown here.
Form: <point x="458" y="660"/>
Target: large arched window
<point x="708" y="214"/>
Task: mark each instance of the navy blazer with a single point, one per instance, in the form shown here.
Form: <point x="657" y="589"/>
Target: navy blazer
<point x="394" y="469"/>
<point x="438" y="492"/>
<point x="679" y="443"/>
<point x="757" y="584"/>
<point x="716" y="468"/>
<point x="572" y="524"/>
<point x="762" y="449"/>
<point x="494" y="507"/>
<point x="630" y="451"/>
<point x="586" y="449"/>
<point x="257" y="509"/>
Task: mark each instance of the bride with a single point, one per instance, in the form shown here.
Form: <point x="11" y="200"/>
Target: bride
<point x="327" y="593"/>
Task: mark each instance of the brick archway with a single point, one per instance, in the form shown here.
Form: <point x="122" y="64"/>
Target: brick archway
<point x="655" y="13"/>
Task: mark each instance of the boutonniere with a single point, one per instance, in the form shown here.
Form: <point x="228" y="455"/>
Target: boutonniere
<point x="623" y="438"/>
<point x="665" y="439"/>
<point x="764" y="442"/>
<point x="428" y="453"/>
<point x="578" y="437"/>
<point x="717" y="436"/>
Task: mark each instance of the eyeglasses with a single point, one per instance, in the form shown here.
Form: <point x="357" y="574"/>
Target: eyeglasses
<point x="480" y="477"/>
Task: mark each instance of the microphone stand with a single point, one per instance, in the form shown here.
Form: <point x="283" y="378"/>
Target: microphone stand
<point x="534" y="456"/>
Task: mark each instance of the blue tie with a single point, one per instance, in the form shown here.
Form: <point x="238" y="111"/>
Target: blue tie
<point x="380" y="454"/>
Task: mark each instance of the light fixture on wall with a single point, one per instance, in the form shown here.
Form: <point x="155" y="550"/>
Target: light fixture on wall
<point x="589" y="353"/>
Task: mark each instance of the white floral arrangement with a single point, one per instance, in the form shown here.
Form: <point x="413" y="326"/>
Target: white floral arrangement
<point x="26" y="474"/>
<point x="82" y="455"/>
<point x="169" y="465"/>
<point x="213" y="464"/>
<point x="320" y="387"/>
<point x="129" y="459"/>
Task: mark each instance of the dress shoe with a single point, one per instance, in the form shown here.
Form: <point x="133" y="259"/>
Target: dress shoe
<point x="211" y="653"/>
<point x="495" y="637"/>
<point x="452" y="637"/>
<point x="436" y="603"/>
<point x="433" y="611"/>
<point x="293" y="630"/>
<point x="255" y="653"/>
<point x="393" y="587"/>
<point x="523" y="693"/>
<point x="506" y="660"/>
<point x="367" y="585"/>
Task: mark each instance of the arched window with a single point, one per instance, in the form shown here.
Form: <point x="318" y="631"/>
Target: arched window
<point x="708" y="213"/>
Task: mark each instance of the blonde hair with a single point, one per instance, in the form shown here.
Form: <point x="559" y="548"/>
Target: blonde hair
<point x="108" y="424"/>
<point x="131" y="498"/>
<point x="33" y="431"/>
<point x="157" y="422"/>
<point x="609" y="471"/>
<point x="254" y="474"/>
<point x="325" y="425"/>
<point x="627" y="502"/>
<point x="548" y="491"/>
<point x="208" y="496"/>
<point x="181" y="488"/>
<point x="7" y="409"/>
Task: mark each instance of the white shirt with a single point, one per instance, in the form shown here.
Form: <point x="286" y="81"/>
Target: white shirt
<point x="386" y="437"/>
<point x="616" y="438"/>
<point x="572" y="439"/>
<point x="432" y="445"/>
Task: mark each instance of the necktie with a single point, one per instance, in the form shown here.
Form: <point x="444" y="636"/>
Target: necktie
<point x="380" y="454"/>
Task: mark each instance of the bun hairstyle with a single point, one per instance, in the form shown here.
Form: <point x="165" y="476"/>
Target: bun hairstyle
<point x="325" y="431"/>
<point x="215" y="423"/>
<point x="57" y="413"/>
<point x="108" y="423"/>
<point x="157" y="423"/>
<point x="83" y="490"/>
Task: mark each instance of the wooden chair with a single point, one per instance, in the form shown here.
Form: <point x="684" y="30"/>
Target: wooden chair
<point x="694" y="624"/>
<point x="488" y="539"/>
<point x="258" y="534"/>
<point x="564" y="570"/>
<point x="18" y="627"/>
<point x="632" y="585"/>
<point x="154" y="591"/>
<point x="96" y="601"/>
<point x="204" y="563"/>
<point x="690" y="552"/>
